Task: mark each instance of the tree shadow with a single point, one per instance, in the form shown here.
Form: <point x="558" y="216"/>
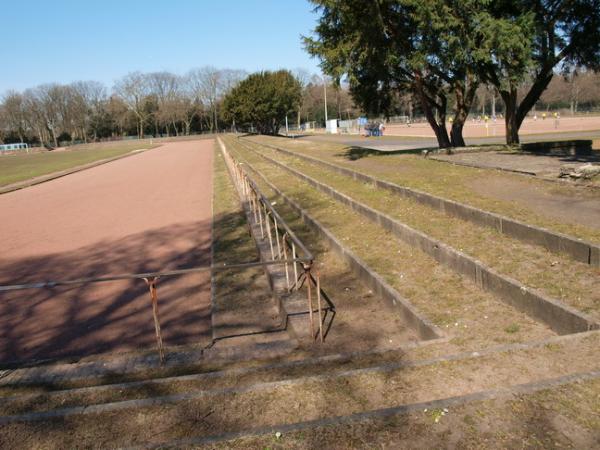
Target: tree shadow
<point x="81" y="320"/>
<point x="355" y="153"/>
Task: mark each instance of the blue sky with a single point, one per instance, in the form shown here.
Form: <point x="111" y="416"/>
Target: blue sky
<point x="64" y="41"/>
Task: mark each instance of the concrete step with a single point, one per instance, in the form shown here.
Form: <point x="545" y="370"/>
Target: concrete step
<point x="115" y="368"/>
<point x="208" y="406"/>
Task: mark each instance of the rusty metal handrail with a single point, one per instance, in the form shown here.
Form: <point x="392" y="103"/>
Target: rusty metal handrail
<point x="249" y="190"/>
<point x="141" y="276"/>
<point x="246" y="182"/>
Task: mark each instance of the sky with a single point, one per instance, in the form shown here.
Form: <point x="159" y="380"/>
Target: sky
<point x="63" y="41"/>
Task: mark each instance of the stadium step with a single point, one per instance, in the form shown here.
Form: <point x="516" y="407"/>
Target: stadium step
<point x="214" y="405"/>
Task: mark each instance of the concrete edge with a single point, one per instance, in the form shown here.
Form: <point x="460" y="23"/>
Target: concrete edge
<point x="475" y="166"/>
<point x="289" y="382"/>
<point x="578" y="249"/>
<point x="560" y="318"/>
<point x="64" y="173"/>
<point x="334" y="358"/>
<point x="520" y="389"/>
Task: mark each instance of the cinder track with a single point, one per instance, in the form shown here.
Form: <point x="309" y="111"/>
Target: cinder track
<point x="144" y="213"/>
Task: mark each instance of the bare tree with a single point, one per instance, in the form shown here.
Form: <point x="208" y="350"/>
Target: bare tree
<point x="87" y="99"/>
<point x="13" y="113"/>
<point x="206" y="83"/>
<point x="165" y="87"/>
<point x="133" y="89"/>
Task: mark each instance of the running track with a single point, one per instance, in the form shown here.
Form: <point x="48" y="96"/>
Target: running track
<point x="147" y="212"/>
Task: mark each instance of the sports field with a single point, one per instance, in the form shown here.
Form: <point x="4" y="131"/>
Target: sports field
<point x="16" y="168"/>
<point x="490" y="128"/>
<point x="148" y="212"/>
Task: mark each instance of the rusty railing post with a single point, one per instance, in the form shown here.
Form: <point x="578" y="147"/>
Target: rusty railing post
<point x="277" y="238"/>
<point x="294" y="264"/>
<point x="269" y="233"/>
<point x="287" y="271"/>
<point x="310" y="305"/>
<point x="260" y="222"/>
<point x="319" y="306"/>
<point x="151" y="282"/>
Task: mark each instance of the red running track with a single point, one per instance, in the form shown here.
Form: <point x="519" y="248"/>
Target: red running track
<point x="148" y="212"/>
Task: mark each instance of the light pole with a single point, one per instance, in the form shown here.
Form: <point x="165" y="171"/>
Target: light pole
<point x="325" y="90"/>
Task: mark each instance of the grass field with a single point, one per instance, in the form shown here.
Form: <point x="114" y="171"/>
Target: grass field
<point x="21" y="167"/>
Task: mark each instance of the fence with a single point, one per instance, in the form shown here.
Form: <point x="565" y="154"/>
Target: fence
<point x="282" y="241"/>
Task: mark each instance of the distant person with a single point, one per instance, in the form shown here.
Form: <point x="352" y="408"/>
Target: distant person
<point x="381" y="128"/>
<point x="543" y="116"/>
<point x="556" y="119"/>
<point x="535" y="117"/>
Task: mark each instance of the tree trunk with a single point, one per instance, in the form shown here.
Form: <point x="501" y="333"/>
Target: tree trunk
<point x="439" y="129"/>
<point x="464" y="93"/>
<point x="510" y="118"/>
<point x="456" y="137"/>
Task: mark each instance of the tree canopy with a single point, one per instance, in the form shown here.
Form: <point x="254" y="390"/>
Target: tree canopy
<point x="441" y="50"/>
<point x="263" y="100"/>
<point x="530" y="40"/>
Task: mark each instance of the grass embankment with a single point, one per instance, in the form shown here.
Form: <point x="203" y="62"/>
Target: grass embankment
<point x="472" y="317"/>
<point x="575" y="283"/>
<point x="453" y="182"/>
<point x="242" y="299"/>
<point x="25" y="166"/>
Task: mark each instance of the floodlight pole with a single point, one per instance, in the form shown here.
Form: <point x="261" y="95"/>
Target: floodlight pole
<point x="325" y="90"/>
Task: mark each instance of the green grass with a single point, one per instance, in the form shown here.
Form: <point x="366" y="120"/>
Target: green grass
<point x="21" y="167"/>
<point x="512" y="328"/>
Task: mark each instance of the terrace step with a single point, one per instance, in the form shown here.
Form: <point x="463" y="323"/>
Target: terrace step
<point x="213" y="405"/>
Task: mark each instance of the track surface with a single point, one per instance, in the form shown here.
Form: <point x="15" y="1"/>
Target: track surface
<point x="414" y="141"/>
<point x="148" y="212"/>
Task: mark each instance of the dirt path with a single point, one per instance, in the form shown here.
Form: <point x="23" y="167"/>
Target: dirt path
<point x="541" y="165"/>
<point x="147" y="212"/>
<point x="581" y="209"/>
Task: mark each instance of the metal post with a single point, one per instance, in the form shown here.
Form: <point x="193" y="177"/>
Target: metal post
<point x="260" y="222"/>
<point x="277" y="238"/>
<point x="325" y="89"/>
<point x="319" y="306"/>
<point x="254" y="207"/>
<point x="269" y="233"/>
<point x="151" y="282"/>
<point x="287" y="272"/>
<point x="310" y="306"/>
<point x="294" y="263"/>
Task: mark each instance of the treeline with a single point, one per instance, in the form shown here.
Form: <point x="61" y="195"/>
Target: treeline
<point x="157" y="104"/>
<point x="146" y="104"/>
